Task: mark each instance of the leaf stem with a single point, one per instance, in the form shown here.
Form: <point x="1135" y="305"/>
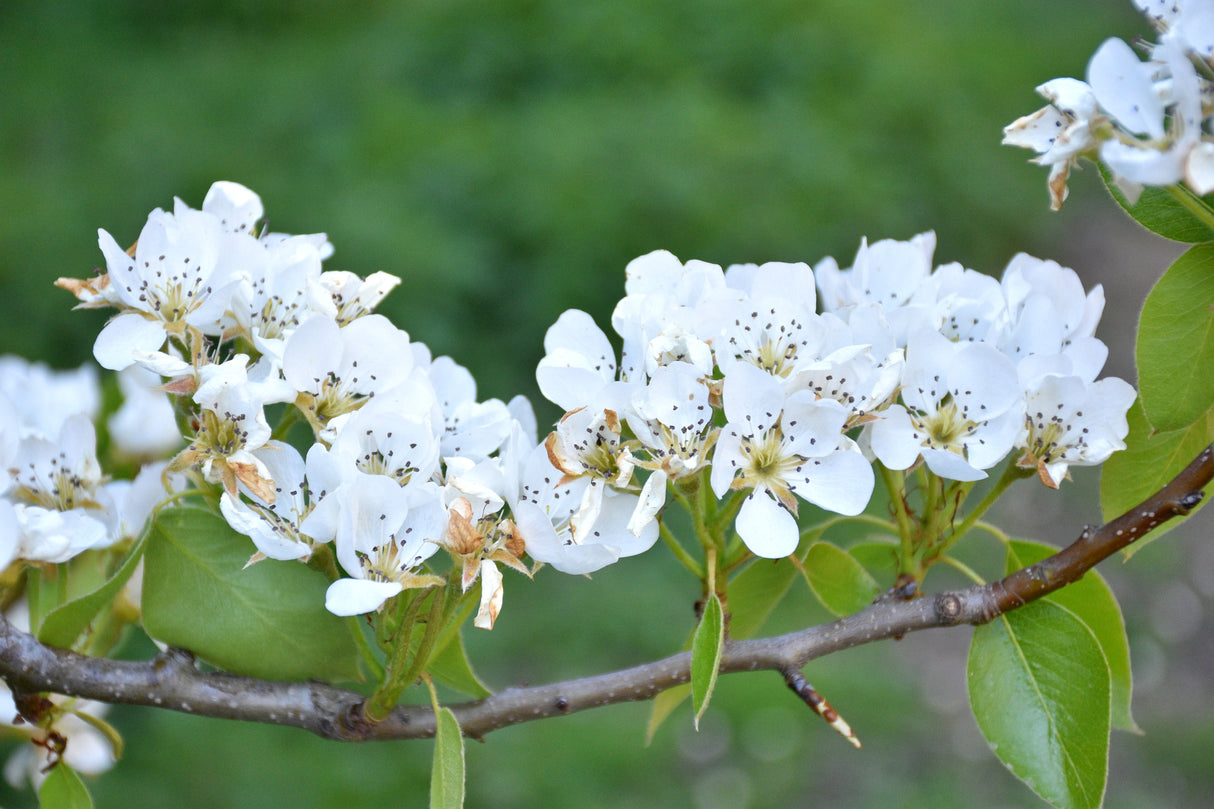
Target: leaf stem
<point x="679" y="551"/>
<point x="1193" y="203"/>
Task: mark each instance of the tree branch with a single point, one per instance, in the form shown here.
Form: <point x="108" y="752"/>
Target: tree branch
<point x="171" y="680"/>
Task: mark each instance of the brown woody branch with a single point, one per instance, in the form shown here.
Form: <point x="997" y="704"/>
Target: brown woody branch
<point x="171" y="680"/>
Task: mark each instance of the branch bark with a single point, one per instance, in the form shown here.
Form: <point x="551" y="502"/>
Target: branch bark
<point x="171" y="680"/>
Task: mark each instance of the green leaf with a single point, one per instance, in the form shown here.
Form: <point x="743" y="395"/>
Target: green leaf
<point x="1092" y="601"/>
<point x="706" y="648"/>
<point x="1176" y="341"/>
<point x="66" y="623"/>
<point x="1146" y="465"/>
<point x="755" y="592"/>
<point x="267" y="620"/>
<point x="1039" y="690"/>
<point x="663" y="705"/>
<point x="880" y="559"/>
<point x="63" y="789"/>
<point x="839" y="581"/>
<point x="1158" y="210"/>
<point x="450" y="667"/>
<point x="447" y="771"/>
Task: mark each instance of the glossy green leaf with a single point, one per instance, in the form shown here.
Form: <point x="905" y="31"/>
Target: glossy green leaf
<point x="1158" y="210"/>
<point x="1148" y="462"/>
<point x="1039" y="690"/>
<point x="450" y="667"/>
<point x="447" y="771"/>
<point x="762" y="585"/>
<point x="1092" y="601"/>
<point x="706" y="648"/>
<point x="755" y="592"/>
<point x="880" y="559"/>
<point x="662" y="706"/>
<point x="1176" y="341"/>
<point x="63" y="625"/>
<point x="63" y="789"/>
<point x="267" y="620"/>
<point x="839" y="581"/>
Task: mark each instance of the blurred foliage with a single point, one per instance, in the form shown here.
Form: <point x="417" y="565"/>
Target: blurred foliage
<point x="507" y="158"/>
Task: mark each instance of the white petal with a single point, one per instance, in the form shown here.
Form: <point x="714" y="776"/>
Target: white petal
<point x="766" y="527"/>
<point x="841" y="482"/>
<point x="127" y="338"/>
<point x="356" y="596"/>
<point x="653" y="497"/>
<point x="1123" y="86"/>
<point x="950" y="465"/>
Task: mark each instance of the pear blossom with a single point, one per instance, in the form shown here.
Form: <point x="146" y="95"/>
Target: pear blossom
<point x="173" y="281"/>
<point x="472" y="429"/>
<point x="42" y="399"/>
<point x="383" y="537"/>
<point x="672" y="419"/>
<point x="670" y="312"/>
<point x="277" y="525"/>
<point x="336" y="369"/>
<point x="781" y="447"/>
<point x="1143" y="120"/>
<point x="961" y="410"/>
<point x="352" y="296"/>
<point x="544" y="509"/>
<point x="230" y="426"/>
<point x="1060" y="132"/>
<point x="887" y="272"/>
<point x="1070" y="418"/>
<point x="578" y="363"/>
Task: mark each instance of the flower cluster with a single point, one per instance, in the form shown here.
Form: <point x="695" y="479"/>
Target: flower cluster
<point x="55" y="502"/>
<point x="1144" y="120"/>
<point x="735" y="371"/>
<point x="729" y="381"/>
<point x="403" y="459"/>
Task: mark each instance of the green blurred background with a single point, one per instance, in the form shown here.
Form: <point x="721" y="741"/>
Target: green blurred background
<point x="507" y="159"/>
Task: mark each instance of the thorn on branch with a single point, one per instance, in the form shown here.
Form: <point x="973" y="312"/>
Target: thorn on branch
<point x="818" y="704"/>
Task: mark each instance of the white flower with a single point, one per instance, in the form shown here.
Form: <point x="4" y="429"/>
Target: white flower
<point x="887" y="273"/>
<point x="672" y="418"/>
<point x="1047" y="307"/>
<point x="276" y="526"/>
<point x="337" y="368"/>
<point x="172" y="281"/>
<point x="1060" y="132"/>
<point x="382" y="540"/>
<point x="545" y="506"/>
<point x="353" y="296"/>
<point x="782" y="448"/>
<point x="58" y="483"/>
<point x="772" y="331"/>
<point x="578" y="363"/>
<point x="42" y="399"/>
<point x="670" y="312"/>
<point x="1070" y="420"/>
<point x="231" y="425"/>
<point x="472" y="429"/>
<point x="1127" y="89"/>
<point x="279" y="289"/>
<point x="962" y="409"/>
